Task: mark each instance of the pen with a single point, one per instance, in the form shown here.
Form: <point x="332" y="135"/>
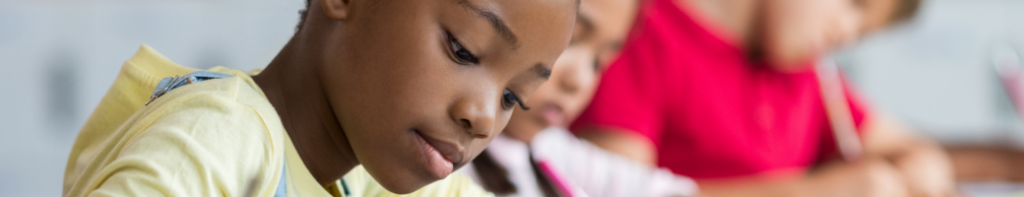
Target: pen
<point x="838" y="111"/>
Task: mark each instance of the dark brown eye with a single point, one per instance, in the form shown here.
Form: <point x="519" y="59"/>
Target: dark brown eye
<point x="460" y="53"/>
<point x="509" y="100"/>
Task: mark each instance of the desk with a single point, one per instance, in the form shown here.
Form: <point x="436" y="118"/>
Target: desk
<point x="992" y="189"/>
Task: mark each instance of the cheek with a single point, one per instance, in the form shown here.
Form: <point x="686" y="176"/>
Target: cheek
<point x="388" y="96"/>
<point x="523" y="122"/>
<point x="575" y="68"/>
<point x="579" y="78"/>
<point x="576" y="105"/>
<point x="393" y="76"/>
<point x="399" y="88"/>
<point x="546" y="93"/>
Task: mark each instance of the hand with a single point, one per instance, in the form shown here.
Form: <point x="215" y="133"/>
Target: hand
<point x="864" y="178"/>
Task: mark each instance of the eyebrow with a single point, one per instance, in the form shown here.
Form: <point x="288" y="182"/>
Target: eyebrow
<point x="496" y="22"/>
<point x="541" y="70"/>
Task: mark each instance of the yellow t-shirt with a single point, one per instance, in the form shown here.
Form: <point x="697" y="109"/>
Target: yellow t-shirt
<point x="213" y="138"/>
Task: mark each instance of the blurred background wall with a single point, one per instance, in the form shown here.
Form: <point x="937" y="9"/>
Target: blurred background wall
<point x="58" y="57"/>
<point x="937" y="74"/>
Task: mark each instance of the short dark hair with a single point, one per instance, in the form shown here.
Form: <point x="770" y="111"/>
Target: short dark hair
<point x="303" y="12"/>
<point x="302" y="17"/>
<point x="905" y="10"/>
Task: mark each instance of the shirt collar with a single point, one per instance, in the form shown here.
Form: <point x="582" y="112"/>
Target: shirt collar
<point x="300" y="181"/>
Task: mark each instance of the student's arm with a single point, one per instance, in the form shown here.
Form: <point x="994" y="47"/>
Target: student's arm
<point x="190" y="151"/>
<point x="169" y="164"/>
<point x="987" y="163"/>
<point x="865" y="178"/>
<point x="926" y="169"/>
<point x="599" y="172"/>
<point x="626" y="143"/>
<point x="896" y="163"/>
<point x="893" y="157"/>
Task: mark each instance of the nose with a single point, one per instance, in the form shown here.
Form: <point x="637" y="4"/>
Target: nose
<point x="577" y="67"/>
<point x="476" y="114"/>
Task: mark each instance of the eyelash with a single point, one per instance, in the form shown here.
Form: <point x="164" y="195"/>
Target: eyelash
<point x="463" y="56"/>
<point x="509" y="100"/>
<point x="460" y="54"/>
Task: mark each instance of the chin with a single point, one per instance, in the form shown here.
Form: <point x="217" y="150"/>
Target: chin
<point x="404" y="184"/>
<point x="791" y="62"/>
<point x="399" y="174"/>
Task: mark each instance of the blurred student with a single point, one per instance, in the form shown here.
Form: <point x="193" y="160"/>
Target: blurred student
<point x="537" y="156"/>
<point x="725" y="92"/>
<point x="368" y="98"/>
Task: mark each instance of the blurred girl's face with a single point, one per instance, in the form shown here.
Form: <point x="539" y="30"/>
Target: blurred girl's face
<point x="794" y="32"/>
<point x="601" y="27"/>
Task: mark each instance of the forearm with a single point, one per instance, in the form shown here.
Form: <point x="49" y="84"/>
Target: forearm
<point x="830" y="184"/>
<point x="582" y="162"/>
<point x="986" y="163"/>
<point x="783" y="188"/>
<point x="626" y="143"/>
<point x="867" y="177"/>
<point x="926" y="169"/>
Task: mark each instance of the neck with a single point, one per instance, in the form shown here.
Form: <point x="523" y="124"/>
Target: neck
<point x="293" y="86"/>
<point x="734" y="20"/>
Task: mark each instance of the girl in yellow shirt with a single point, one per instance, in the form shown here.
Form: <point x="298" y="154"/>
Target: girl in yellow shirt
<point x="368" y="98"/>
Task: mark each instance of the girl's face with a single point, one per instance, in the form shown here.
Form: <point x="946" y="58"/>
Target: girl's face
<point x="420" y="87"/>
<point x="601" y="27"/>
<point x="793" y="32"/>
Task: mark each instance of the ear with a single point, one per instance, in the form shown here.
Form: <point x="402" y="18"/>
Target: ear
<point x="336" y="9"/>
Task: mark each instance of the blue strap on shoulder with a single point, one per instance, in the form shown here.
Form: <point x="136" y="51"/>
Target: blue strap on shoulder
<point x="170" y="83"/>
<point x="282" y="185"/>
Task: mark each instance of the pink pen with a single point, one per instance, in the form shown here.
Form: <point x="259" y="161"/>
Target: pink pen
<point x="838" y="111"/>
<point x="1008" y="65"/>
<point x="563" y="186"/>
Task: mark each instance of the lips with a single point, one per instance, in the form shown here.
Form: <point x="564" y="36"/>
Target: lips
<point x="553" y="115"/>
<point x="440" y="156"/>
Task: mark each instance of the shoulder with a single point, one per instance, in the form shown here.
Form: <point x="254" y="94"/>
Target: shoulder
<point x="198" y="140"/>
<point x="217" y="111"/>
<point x="204" y="106"/>
<point x="209" y="122"/>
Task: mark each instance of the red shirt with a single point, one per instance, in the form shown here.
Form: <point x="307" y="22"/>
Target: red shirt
<point x="708" y="111"/>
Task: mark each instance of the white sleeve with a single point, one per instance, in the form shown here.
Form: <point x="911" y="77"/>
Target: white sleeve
<point x="600" y="173"/>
